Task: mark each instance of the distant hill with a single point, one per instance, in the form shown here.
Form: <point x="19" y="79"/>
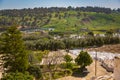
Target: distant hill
<point x="63" y="19"/>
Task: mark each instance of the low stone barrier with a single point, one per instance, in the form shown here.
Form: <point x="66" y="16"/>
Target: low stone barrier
<point x="108" y="65"/>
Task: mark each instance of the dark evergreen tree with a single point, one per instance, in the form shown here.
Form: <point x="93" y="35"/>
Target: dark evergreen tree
<point x="83" y="59"/>
<point x="14" y="54"/>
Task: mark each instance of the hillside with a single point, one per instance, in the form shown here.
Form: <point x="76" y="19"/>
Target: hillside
<point x="63" y="19"/>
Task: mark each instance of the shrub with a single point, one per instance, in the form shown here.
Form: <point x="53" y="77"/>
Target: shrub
<point x="67" y="65"/>
<point x="35" y="71"/>
<point x="17" y="76"/>
<point x="58" y="74"/>
<point x="68" y="58"/>
<point x="68" y="72"/>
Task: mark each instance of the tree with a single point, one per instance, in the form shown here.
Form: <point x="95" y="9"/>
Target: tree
<point x="98" y="41"/>
<point x="70" y="8"/>
<point x="14" y="54"/>
<point x="51" y="61"/>
<point x="109" y="33"/>
<point x="83" y="59"/>
<point x="35" y="60"/>
<point x="35" y="71"/>
<point x="90" y="33"/>
<point x="17" y="76"/>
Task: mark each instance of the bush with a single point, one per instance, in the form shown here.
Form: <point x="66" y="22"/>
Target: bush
<point x="68" y="72"/>
<point x="46" y="76"/>
<point x="68" y="58"/>
<point x="67" y="65"/>
<point x="35" y="71"/>
<point x="17" y="76"/>
<point x="58" y="74"/>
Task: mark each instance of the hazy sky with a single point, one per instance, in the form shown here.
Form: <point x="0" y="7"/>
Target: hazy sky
<point x="18" y="4"/>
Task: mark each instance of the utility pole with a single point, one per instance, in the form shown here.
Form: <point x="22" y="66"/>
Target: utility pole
<point x="95" y="63"/>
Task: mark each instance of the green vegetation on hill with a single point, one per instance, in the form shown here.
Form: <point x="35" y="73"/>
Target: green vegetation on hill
<point x="88" y="20"/>
<point x="63" y="19"/>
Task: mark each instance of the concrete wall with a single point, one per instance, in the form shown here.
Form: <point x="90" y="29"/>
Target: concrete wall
<point x="117" y="68"/>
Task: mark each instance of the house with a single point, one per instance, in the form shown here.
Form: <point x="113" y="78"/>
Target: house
<point x="51" y="29"/>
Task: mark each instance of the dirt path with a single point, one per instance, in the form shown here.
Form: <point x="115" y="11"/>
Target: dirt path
<point x="100" y="71"/>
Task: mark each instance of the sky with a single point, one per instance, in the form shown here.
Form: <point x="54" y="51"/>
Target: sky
<point x="19" y="4"/>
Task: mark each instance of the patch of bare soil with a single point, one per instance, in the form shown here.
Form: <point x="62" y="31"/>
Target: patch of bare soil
<point x="107" y="48"/>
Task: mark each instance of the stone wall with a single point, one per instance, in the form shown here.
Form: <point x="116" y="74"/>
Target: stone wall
<point x="108" y="65"/>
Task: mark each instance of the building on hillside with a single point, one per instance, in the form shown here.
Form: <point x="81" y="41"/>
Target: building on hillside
<point x="51" y="29"/>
